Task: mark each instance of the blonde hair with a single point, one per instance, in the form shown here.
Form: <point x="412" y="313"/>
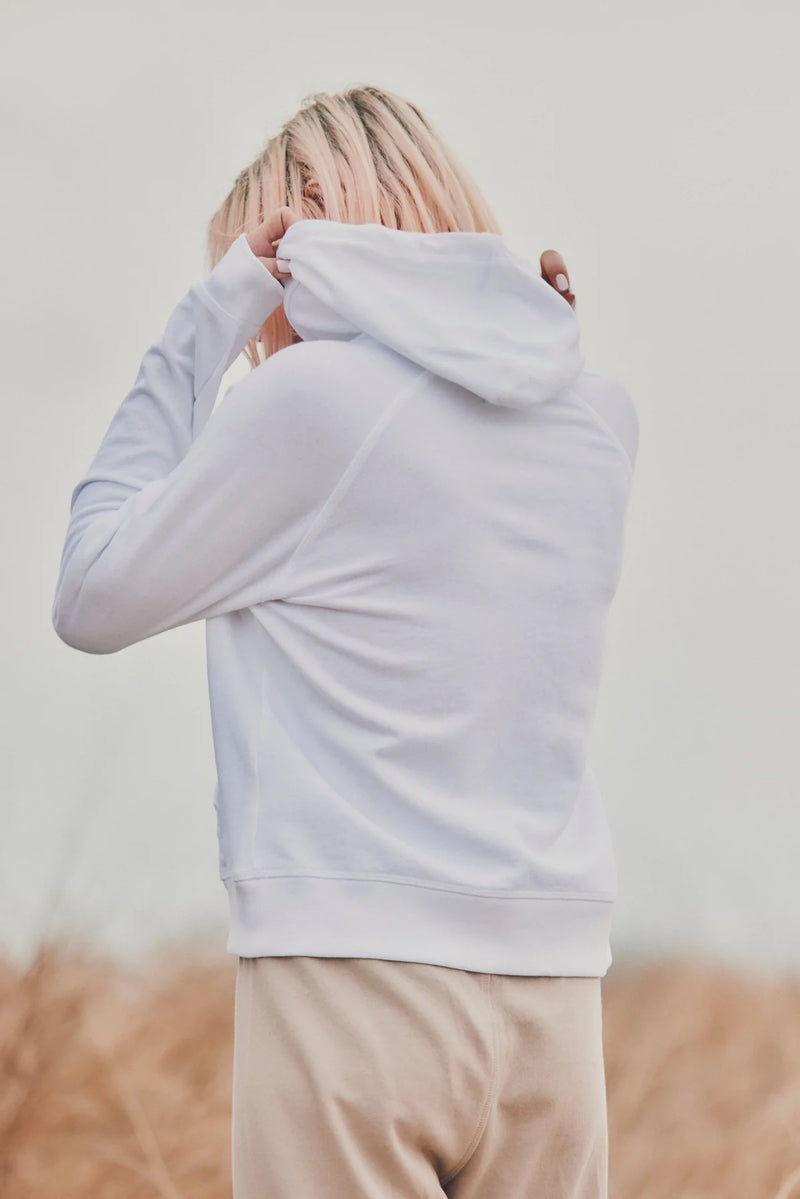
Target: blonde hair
<point x="375" y="158"/>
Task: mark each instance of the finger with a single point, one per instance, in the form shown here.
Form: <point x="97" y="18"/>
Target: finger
<point x="273" y="265"/>
<point x="552" y="264"/>
<point x="265" y="236"/>
<point x="554" y="271"/>
<point x="280" y="220"/>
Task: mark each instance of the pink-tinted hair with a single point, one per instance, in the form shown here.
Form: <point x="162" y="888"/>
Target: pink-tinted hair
<point x="375" y="159"/>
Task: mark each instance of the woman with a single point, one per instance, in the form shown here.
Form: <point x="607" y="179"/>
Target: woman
<point x="403" y="530"/>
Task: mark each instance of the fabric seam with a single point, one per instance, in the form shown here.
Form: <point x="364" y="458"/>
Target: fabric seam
<point x="604" y="425"/>
<point x="205" y="293"/>
<point x="348" y="476"/>
<point x="591" y="897"/>
<point x="235" y="325"/>
<point x="493" y="1090"/>
<point x="205" y="296"/>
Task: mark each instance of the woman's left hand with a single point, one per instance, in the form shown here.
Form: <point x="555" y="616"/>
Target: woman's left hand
<point x="554" y="272"/>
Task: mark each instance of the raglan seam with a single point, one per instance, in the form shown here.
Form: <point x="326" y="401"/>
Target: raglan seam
<point x="604" y="425"/>
<point x="346" y="479"/>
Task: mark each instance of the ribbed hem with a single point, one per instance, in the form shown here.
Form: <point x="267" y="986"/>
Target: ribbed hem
<point x="318" y="916"/>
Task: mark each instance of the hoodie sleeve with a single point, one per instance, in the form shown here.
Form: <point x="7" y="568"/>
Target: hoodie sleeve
<point x="182" y="516"/>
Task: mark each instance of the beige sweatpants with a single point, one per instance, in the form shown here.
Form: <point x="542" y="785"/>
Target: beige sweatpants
<point x="364" y="1078"/>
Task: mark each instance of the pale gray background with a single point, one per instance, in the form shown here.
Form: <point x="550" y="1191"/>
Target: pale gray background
<point x="656" y="147"/>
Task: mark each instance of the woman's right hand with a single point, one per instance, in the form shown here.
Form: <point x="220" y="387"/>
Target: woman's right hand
<point x="554" y="272"/>
<point x="267" y="235"/>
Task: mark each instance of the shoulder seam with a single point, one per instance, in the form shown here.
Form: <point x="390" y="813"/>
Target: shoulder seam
<point x="350" y="472"/>
<point x="603" y="424"/>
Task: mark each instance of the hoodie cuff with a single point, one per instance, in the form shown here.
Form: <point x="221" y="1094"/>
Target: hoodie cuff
<point x="311" y="226"/>
<point x="242" y="286"/>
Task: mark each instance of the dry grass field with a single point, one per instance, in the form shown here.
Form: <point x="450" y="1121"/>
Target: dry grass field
<point x="116" y="1084"/>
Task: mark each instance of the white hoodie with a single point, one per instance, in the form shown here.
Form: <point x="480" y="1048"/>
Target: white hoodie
<point x="404" y="533"/>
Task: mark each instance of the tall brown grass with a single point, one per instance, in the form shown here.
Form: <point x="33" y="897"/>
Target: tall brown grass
<point x="116" y="1083"/>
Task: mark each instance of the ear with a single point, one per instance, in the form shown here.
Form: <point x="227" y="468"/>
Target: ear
<point x="312" y="192"/>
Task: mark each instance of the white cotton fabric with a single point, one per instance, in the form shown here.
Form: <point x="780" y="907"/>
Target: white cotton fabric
<point x="404" y="533"/>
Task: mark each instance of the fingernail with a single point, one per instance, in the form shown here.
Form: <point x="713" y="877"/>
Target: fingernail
<point x="562" y="282"/>
<point x="283" y="265"/>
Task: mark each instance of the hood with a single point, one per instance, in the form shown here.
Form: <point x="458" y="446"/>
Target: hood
<point x="461" y="305"/>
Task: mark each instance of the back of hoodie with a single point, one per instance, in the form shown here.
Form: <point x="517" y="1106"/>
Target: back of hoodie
<point x="404" y="534"/>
